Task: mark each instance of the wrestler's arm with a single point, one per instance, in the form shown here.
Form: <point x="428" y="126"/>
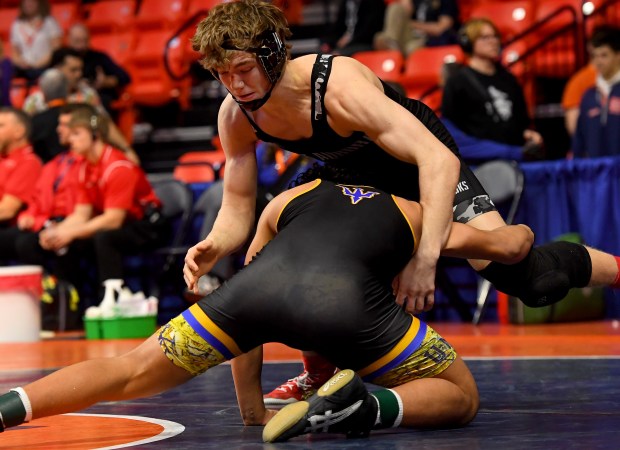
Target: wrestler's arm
<point x="356" y="102"/>
<point x="247" y="368"/>
<point x="236" y="215"/>
<point x="508" y="244"/>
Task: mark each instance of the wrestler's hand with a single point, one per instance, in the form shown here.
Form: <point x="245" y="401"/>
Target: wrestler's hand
<point x="198" y="261"/>
<point x="256" y="420"/>
<point x="414" y="286"/>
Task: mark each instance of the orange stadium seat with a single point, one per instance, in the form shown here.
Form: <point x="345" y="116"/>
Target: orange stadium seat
<point x="201" y="5"/>
<point x="152" y="84"/>
<point x="386" y="64"/>
<point x="119" y="46"/>
<point x="423" y="68"/>
<point x="562" y="28"/>
<point x="511" y="17"/>
<point x="215" y="158"/>
<point x="110" y="15"/>
<point x="161" y="14"/>
<point x="66" y="14"/>
<point x="7" y="17"/>
<point x="194" y="173"/>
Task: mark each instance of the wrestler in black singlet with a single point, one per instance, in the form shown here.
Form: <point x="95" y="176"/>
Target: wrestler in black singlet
<point x="377" y="167"/>
<point x="324" y="282"/>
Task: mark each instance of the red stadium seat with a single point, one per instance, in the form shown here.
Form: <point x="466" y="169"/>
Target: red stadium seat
<point x="161" y="14"/>
<point x="510" y="17"/>
<point x="423" y="68"/>
<point x="110" y="15"/>
<point x="216" y="158"/>
<point x="119" y="46"/>
<point x="152" y="84"/>
<point x="386" y="64"/>
<point x="66" y="14"/>
<point x="561" y="35"/>
<point x="194" y="173"/>
<point x="7" y="17"/>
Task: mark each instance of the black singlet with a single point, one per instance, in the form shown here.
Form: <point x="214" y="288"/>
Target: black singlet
<point x="324" y="282"/>
<point x="359" y="153"/>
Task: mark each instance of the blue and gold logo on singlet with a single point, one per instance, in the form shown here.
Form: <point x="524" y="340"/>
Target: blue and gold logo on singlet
<point x="356" y="194"/>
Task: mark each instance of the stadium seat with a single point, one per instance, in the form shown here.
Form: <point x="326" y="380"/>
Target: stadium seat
<point x="66" y="14"/>
<point x="119" y="46"/>
<point x="161" y="14"/>
<point x="7" y="17"/>
<point x="106" y="16"/>
<point x="18" y="92"/>
<point x="386" y="64"/>
<point x="152" y="84"/>
<point x="423" y="68"/>
<point x="215" y="158"/>
<point x="196" y="6"/>
<point x="560" y="33"/>
<point x="194" y="173"/>
<point x="511" y="17"/>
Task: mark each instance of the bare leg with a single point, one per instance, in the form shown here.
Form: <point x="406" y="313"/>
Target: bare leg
<point x="142" y="372"/>
<point x="449" y="399"/>
<point x="604" y="268"/>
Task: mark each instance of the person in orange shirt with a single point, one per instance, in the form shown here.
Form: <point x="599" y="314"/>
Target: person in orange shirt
<point x="579" y="83"/>
<point x="19" y="166"/>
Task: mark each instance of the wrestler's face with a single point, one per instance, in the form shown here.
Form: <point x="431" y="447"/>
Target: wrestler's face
<point x="244" y="77"/>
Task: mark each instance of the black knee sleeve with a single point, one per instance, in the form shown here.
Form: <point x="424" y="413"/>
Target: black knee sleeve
<point x="12" y="410"/>
<point x="545" y="275"/>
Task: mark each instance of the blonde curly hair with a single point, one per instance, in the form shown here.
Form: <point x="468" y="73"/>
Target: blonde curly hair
<point x="238" y="24"/>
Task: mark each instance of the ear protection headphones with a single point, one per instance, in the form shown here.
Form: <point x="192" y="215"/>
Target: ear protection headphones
<point x="94" y="126"/>
<point x="464" y="41"/>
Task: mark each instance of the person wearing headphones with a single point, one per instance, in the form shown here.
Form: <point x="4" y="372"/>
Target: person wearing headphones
<point x="484" y="101"/>
<point x="116" y="212"/>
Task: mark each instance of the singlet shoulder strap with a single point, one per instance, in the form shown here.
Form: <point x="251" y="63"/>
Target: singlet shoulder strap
<point x="320" y="74"/>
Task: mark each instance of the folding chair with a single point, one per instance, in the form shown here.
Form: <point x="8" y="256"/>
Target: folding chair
<point x="503" y="181"/>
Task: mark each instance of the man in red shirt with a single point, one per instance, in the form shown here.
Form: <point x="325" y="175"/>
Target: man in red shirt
<point x="19" y="166"/>
<point x="116" y="212"/>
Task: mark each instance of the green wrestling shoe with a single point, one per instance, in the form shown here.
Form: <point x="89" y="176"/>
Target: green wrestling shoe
<point x="342" y="405"/>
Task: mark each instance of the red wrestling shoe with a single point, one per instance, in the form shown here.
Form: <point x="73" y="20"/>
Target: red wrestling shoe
<point x="297" y="389"/>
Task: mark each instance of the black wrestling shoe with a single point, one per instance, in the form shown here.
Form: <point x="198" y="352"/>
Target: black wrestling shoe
<point x="342" y="405"/>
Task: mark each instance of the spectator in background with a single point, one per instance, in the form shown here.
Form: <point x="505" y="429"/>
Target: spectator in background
<point x="6" y="74"/>
<point x="356" y="24"/>
<point x="35" y="35"/>
<point x="483" y="101"/>
<point x="54" y="198"/>
<point x="116" y="210"/>
<point x="598" y="124"/>
<point x="411" y="24"/>
<point x="45" y="140"/>
<point x="101" y="72"/>
<point x="71" y="64"/>
<point x="576" y="86"/>
<point x="19" y="166"/>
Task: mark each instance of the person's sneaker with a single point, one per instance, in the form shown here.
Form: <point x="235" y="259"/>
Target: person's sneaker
<point x="296" y="389"/>
<point x="342" y="405"/>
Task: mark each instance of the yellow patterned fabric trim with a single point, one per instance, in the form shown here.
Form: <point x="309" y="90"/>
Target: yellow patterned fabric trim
<point x="186" y="349"/>
<point x="433" y="357"/>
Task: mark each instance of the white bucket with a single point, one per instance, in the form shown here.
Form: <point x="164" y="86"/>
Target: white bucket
<point x="20" y="303"/>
